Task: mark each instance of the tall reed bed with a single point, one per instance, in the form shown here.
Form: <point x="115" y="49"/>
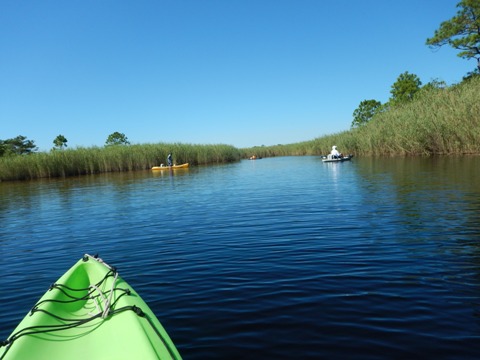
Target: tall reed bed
<point x="81" y="161"/>
<point x="345" y="141"/>
<point x="298" y="149"/>
<point x="438" y="121"/>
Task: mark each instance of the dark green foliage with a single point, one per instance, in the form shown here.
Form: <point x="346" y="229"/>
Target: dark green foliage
<point x="404" y="89"/>
<point x="60" y="142"/>
<point x="117" y="139"/>
<point x="19" y="145"/>
<point x="365" y="112"/>
<point x="462" y="32"/>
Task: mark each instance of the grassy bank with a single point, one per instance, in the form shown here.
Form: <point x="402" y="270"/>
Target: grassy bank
<point x="438" y="121"/>
<point x="81" y="161"/>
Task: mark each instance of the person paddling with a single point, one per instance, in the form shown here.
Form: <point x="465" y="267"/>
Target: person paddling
<point x="169" y="159"/>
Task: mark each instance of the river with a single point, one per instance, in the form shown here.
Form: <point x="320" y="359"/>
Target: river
<point x="277" y="258"/>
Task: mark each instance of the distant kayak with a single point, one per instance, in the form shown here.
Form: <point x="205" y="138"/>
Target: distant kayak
<point x="173" y="167"/>
<point x="89" y="313"/>
<point x="330" y="158"/>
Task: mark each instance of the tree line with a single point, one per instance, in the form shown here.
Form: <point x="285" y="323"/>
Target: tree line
<point x="20" y="145"/>
<point x="462" y="32"/>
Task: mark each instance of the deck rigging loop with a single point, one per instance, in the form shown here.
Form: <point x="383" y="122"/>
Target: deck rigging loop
<point x="102" y="299"/>
<point x="98" y="301"/>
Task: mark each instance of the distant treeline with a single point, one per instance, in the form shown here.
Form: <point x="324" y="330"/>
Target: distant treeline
<point x="439" y="120"/>
<point x="429" y="120"/>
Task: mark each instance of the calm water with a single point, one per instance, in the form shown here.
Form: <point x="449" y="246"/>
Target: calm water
<point x="282" y="258"/>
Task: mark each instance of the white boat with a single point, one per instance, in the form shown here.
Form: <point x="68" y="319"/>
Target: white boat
<point x="331" y="158"/>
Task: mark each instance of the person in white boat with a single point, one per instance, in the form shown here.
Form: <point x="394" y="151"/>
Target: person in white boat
<point x="335" y="153"/>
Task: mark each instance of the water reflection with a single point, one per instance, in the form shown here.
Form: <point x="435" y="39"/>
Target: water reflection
<point x="171" y="173"/>
<point x="425" y="190"/>
<point x="430" y="207"/>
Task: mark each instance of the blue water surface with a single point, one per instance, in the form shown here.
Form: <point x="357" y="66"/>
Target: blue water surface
<point x="278" y="258"/>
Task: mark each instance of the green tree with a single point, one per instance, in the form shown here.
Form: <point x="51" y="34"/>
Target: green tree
<point x="17" y="146"/>
<point x="434" y="85"/>
<point x="60" y="142"/>
<point x="404" y="89"/>
<point x="462" y="32"/>
<point x="365" y="112"/>
<point x="117" y="139"/>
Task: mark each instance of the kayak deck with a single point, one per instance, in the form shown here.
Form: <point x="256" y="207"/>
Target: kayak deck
<point x="91" y="312"/>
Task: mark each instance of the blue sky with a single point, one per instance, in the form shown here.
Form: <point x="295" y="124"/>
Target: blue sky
<point x="238" y="72"/>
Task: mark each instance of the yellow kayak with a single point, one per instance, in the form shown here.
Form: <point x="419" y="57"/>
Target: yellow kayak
<point x="173" y="167"/>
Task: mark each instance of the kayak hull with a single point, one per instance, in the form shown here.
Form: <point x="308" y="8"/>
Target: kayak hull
<point x="173" y="167"/>
<point x="330" y="159"/>
<point x="91" y="312"/>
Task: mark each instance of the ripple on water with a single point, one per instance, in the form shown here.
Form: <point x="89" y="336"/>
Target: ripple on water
<point x="361" y="260"/>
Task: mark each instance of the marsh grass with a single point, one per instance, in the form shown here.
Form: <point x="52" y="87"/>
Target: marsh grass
<point x="438" y="121"/>
<point x="82" y="161"/>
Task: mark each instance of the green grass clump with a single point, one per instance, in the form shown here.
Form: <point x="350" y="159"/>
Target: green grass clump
<point x="440" y="121"/>
<point x="437" y="121"/>
<point x="82" y="161"/>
